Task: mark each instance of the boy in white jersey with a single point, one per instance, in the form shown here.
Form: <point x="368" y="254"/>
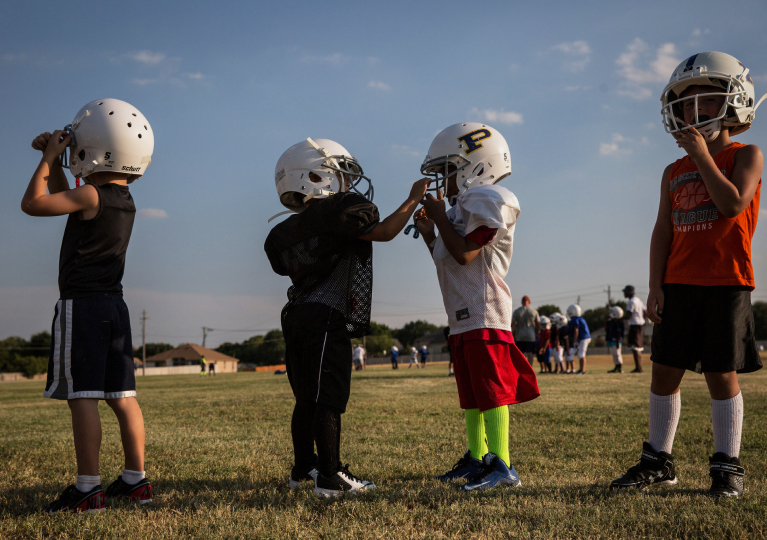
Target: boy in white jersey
<point x="472" y="255"/>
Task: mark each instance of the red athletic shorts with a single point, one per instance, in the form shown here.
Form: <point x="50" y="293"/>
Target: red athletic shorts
<point x="490" y="370"/>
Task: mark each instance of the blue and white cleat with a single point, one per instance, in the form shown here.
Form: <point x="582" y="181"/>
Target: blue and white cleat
<point x="494" y="473"/>
<point x="467" y="467"/>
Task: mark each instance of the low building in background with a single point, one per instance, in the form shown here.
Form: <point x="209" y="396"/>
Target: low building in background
<point x="186" y="359"/>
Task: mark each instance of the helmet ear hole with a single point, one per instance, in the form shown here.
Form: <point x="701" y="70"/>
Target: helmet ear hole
<point x="81" y="155"/>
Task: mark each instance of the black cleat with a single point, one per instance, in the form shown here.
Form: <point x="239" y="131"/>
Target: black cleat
<point x="618" y="369"/>
<point x="74" y="500"/>
<point x="653" y="468"/>
<point x="341" y="482"/>
<point x="726" y="476"/>
<point x="467" y="467"/>
<point x="140" y="492"/>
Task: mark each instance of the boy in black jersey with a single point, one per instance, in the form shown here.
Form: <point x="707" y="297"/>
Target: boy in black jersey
<point x="326" y="250"/>
<point x="91" y="356"/>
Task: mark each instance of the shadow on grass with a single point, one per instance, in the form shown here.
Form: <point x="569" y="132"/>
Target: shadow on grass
<point x="408" y="490"/>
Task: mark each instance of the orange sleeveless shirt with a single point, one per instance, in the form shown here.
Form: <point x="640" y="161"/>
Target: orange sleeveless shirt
<point x="708" y="248"/>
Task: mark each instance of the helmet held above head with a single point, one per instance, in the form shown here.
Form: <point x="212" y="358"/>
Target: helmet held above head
<point x="317" y="169"/>
<point x="731" y="81"/>
<point x="109" y="135"/>
<point x="545" y="322"/>
<point x="574" y="310"/>
<point x="616" y="312"/>
<point x="476" y="153"/>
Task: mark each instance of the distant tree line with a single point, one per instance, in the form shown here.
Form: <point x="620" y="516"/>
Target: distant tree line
<point x="29" y="357"/>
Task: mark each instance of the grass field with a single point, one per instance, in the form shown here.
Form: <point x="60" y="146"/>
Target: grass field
<point x="219" y="452"/>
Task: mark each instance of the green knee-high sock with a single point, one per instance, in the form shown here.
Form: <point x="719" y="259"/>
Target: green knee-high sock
<point x="475" y="430"/>
<point x="497" y="427"/>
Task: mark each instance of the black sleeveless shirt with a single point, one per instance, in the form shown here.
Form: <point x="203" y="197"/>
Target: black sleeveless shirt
<point x="92" y="259"/>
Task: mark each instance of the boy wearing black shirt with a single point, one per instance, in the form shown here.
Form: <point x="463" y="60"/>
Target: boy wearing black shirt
<point x="110" y="145"/>
<point x="326" y="250"/>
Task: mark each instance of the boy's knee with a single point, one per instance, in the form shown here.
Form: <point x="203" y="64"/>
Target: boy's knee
<point x="120" y="404"/>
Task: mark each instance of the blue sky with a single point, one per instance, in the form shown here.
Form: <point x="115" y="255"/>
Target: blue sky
<point x="573" y="87"/>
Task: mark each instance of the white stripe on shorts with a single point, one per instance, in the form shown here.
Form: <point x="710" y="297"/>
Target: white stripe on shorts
<point x="68" y="349"/>
<point x="319" y="375"/>
<point x="56" y="351"/>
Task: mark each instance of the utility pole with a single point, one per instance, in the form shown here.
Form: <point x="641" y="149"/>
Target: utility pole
<point x="578" y="301"/>
<point x="205" y="331"/>
<point x="609" y="296"/>
<point x="144" y="319"/>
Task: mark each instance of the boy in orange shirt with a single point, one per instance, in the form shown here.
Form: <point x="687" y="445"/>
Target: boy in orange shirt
<point x="700" y="266"/>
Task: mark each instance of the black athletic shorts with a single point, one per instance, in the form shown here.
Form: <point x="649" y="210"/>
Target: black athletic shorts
<point x="527" y="346"/>
<point x="91" y="351"/>
<point x="706" y="329"/>
<point x="636" y="337"/>
<point x="318" y="354"/>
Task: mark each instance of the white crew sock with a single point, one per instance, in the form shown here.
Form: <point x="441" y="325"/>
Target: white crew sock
<point x="727" y="419"/>
<point x="133" y="477"/>
<point x="664" y="417"/>
<point x="86" y="483"/>
<point x="617" y="358"/>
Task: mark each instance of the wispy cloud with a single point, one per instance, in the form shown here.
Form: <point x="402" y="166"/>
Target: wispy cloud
<point x="152" y="213"/>
<point x="614" y="147"/>
<point x="335" y="59"/>
<point x="402" y="149"/>
<point x="195" y="76"/>
<point x="378" y="85"/>
<point x="577" y="52"/>
<point x="147" y="58"/>
<point x="642" y="68"/>
<point x="501" y="117"/>
<point x="576" y="88"/>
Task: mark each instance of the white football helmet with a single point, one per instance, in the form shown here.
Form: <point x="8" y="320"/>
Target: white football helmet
<point x="109" y="135"/>
<point x="711" y="69"/>
<point x="478" y="152"/>
<point x="313" y="169"/>
<point x="545" y="322"/>
<point x="558" y="319"/>
<point x="394" y="348"/>
<point x="616" y="312"/>
<point x="574" y="310"/>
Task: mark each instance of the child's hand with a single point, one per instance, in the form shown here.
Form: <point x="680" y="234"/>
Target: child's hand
<point x="424" y="224"/>
<point x="655" y="305"/>
<point x="419" y="189"/>
<point x="434" y="207"/>
<point x="692" y="142"/>
<point x="41" y="141"/>
<point x="52" y="144"/>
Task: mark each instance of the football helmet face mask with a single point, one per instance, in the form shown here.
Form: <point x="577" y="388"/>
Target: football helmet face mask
<point x="545" y="322"/>
<point x="109" y="135"/>
<point x="732" y="81"/>
<point x="317" y="169"/>
<point x="574" y="310"/>
<point x="616" y="312"/>
<point x="475" y="153"/>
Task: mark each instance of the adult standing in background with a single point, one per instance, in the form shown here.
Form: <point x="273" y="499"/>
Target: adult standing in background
<point x="358" y="357"/>
<point x="526" y="326"/>
<point x="636" y="312"/>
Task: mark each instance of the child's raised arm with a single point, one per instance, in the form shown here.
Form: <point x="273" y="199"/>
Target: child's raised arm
<point x="61" y="200"/>
<point x="390" y="227"/>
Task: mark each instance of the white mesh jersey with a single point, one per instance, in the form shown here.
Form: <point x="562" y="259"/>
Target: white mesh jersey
<point x="475" y="294"/>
